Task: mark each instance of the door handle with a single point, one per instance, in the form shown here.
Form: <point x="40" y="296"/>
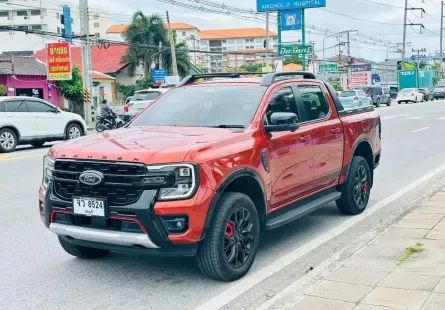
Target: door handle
<point x="335" y="130"/>
<point x="305" y="138"/>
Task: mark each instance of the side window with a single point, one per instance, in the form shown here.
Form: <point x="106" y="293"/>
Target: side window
<point x="15" y="106"/>
<point x="2" y="106"/>
<point x="283" y="100"/>
<point x="36" y="106"/>
<point x="314" y="102"/>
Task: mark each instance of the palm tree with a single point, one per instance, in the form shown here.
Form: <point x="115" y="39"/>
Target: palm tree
<point x="143" y="36"/>
<point x="182" y="59"/>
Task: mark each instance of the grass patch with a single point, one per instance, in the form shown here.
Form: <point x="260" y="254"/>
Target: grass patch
<point x="409" y="252"/>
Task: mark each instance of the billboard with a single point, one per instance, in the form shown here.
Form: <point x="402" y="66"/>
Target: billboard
<point x="361" y="75"/>
<point x="294" y="50"/>
<point x="280" y="5"/>
<point x="407" y="79"/>
<point x="290" y="20"/>
<point x="59" y="61"/>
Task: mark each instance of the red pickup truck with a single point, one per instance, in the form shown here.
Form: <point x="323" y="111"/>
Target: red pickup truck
<point x="208" y="167"/>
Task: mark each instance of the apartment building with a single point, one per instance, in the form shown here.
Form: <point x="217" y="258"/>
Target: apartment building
<point x="217" y="49"/>
<point x="44" y="15"/>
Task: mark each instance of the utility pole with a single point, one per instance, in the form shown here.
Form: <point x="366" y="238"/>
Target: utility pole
<point x="160" y="55"/>
<point x="441" y="40"/>
<point x="267" y="40"/>
<point x="405" y="19"/>
<point x="172" y="47"/>
<point x="86" y="57"/>
<point x="349" y="58"/>
<point x="422" y="50"/>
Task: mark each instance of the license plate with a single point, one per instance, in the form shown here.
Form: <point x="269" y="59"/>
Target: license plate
<point x="89" y="206"/>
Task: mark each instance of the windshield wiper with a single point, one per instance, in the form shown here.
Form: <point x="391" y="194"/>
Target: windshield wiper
<point x="226" y="126"/>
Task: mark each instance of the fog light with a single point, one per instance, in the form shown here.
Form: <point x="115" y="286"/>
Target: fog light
<point x="175" y="224"/>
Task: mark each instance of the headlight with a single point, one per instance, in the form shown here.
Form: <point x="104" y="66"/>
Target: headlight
<point x="48" y="168"/>
<point x="185" y="184"/>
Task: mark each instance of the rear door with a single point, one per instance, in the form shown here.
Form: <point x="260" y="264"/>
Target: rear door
<point x="291" y="155"/>
<point x="327" y="133"/>
<point x="17" y="115"/>
<point x="49" y="122"/>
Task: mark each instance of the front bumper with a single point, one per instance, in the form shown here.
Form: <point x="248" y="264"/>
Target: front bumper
<point x="134" y="227"/>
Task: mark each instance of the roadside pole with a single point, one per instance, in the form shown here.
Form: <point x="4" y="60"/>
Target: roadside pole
<point x="172" y="47"/>
<point x="160" y="56"/>
<point x="303" y="39"/>
<point x="86" y="58"/>
<point x="441" y="40"/>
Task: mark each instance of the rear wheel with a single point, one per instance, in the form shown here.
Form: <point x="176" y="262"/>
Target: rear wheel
<point x="8" y="140"/>
<point x="389" y="102"/>
<point x="355" y="191"/>
<point x="232" y="242"/>
<point x="81" y="251"/>
<point x="377" y="104"/>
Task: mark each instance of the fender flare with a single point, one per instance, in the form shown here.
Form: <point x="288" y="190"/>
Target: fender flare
<point x="243" y="172"/>
<point x="354" y="148"/>
<point x="13" y="127"/>
<point x="65" y="133"/>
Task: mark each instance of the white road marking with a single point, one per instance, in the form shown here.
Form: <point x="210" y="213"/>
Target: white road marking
<point x="388" y="117"/>
<point x="253" y="279"/>
<point x="441" y="118"/>
<point x="415" y="117"/>
<point x="421" y="129"/>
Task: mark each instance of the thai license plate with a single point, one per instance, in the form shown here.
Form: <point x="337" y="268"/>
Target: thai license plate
<point x="89" y="206"/>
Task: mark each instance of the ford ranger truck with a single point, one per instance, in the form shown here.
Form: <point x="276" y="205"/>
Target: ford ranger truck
<point x="208" y="167"/>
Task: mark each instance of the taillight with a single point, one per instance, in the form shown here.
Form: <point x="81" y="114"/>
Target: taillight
<point x="355" y="98"/>
<point x="412" y="94"/>
<point x="443" y="93"/>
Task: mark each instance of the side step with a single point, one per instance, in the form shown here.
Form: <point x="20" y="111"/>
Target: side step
<point x="294" y="212"/>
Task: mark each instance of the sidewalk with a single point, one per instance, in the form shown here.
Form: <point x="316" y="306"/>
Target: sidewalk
<point x="403" y="268"/>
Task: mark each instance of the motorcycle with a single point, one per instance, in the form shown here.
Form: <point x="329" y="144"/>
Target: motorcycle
<point x="106" y="124"/>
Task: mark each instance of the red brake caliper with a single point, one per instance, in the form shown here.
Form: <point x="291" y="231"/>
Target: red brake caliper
<point x="365" y="188"/>
<point x="229" y="230"/>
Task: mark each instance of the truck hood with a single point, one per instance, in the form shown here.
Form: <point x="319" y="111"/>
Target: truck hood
<point x="141" y="144"/>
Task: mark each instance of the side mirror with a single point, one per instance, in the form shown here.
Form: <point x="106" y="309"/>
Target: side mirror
<point x="56" y="110"/>
<point x="282" y="121"/>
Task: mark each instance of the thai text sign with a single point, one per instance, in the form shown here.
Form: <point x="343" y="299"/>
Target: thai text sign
<point x="59" y="61"/>
<point x="294" y="50"/>
<point x="279" y="5"/>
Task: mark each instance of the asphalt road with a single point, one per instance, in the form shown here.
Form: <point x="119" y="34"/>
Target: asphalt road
<point x="36" y="273"/>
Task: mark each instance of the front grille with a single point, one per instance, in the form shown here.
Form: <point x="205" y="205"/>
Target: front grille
<point x="116" y="188"/>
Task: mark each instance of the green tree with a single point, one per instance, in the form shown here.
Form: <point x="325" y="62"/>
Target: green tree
<point x="251" y="67"/>
<point x="72" y="90"/>
<point x="3" y="90"/>
<point x="336" y="83"/>
<point x="143" y="36"/>
<point x="182" y="59"/>
<point x="292" y="60"/>
<point x="126" y="90"/>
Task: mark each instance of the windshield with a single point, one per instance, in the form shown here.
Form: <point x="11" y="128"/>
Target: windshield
<point x="145" y="96"/>
<point x="204" y="106"/>
<point x="347" y="94"/>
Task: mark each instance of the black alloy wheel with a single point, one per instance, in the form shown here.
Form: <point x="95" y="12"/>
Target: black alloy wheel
<point x="361" y="186"/>
<point x="239" y="237"/>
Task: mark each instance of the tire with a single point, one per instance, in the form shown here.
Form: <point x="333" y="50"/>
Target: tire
<point x="37" y="145"/>
<point x="100" y="127"/>
<point x="400" y="102"/>
<point x="8" y="140"/>
<point x="81" y="251"/>
<point x="389" y="102"/>
<point x="212" y="259"/>
<point x="377" y="104"/>
<point x="354" y="200"/>
<point x="73" y="131"/>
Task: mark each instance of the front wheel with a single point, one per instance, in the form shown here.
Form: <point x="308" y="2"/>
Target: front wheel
<point x="377" y="104"/>
<point x="73" y="131"/>
<point x="81" y="251"/>
<point x="389" y="102"/>
<point x="356" y="190"/>
<point x="228" y="251"/>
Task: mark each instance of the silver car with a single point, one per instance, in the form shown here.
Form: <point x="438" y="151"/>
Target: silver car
<point x="354" y="98"/>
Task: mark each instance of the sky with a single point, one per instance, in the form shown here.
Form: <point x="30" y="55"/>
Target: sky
<point x="379" y="19"/>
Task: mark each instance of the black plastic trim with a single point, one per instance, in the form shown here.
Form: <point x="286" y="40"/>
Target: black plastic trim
<point x="229" y="179"/>
<point x="357" y="143"/>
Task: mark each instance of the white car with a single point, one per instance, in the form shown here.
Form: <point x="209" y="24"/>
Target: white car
<point x="29" y="120"/>
<point x="142" y="98"/>
<point x="409" y="95"/>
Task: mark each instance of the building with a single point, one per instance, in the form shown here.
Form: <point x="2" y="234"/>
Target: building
<point x="44" y="15"/>
<point x="109" y="70"/>
<point x="26" y="76"/>
<point x="237" y="47"/>
<point x="218" y="49"/>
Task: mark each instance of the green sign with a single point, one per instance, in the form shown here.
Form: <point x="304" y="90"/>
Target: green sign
<point x="322" y="68"/>
<point x="407" y="79"/>
<point x="294" y="50"/>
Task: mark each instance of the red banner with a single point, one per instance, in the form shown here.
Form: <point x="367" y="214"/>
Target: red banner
<point x="59" y="61"/>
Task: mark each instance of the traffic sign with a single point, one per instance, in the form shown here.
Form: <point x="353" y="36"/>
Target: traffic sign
<point x="86" y="97"/>
<point x="331" y="67"/>
<point x="280" y="5"/>
<point x="158" y="76"/>
<point x="294" y="50"/>
<point x="291" y="20"/>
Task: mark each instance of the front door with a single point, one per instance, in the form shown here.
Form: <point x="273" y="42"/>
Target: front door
<point x="290" y="153"/>
<point x="327" y="134"/>
<point x="17" y="115"/>
<point x="49" y="122"/>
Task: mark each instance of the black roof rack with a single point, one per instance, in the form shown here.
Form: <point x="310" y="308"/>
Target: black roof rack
<point x="271" y="78"/>
<point x="267" y="80"/>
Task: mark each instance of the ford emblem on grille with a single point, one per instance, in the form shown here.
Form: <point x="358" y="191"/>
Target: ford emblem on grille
<point x="91" y="177"/>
